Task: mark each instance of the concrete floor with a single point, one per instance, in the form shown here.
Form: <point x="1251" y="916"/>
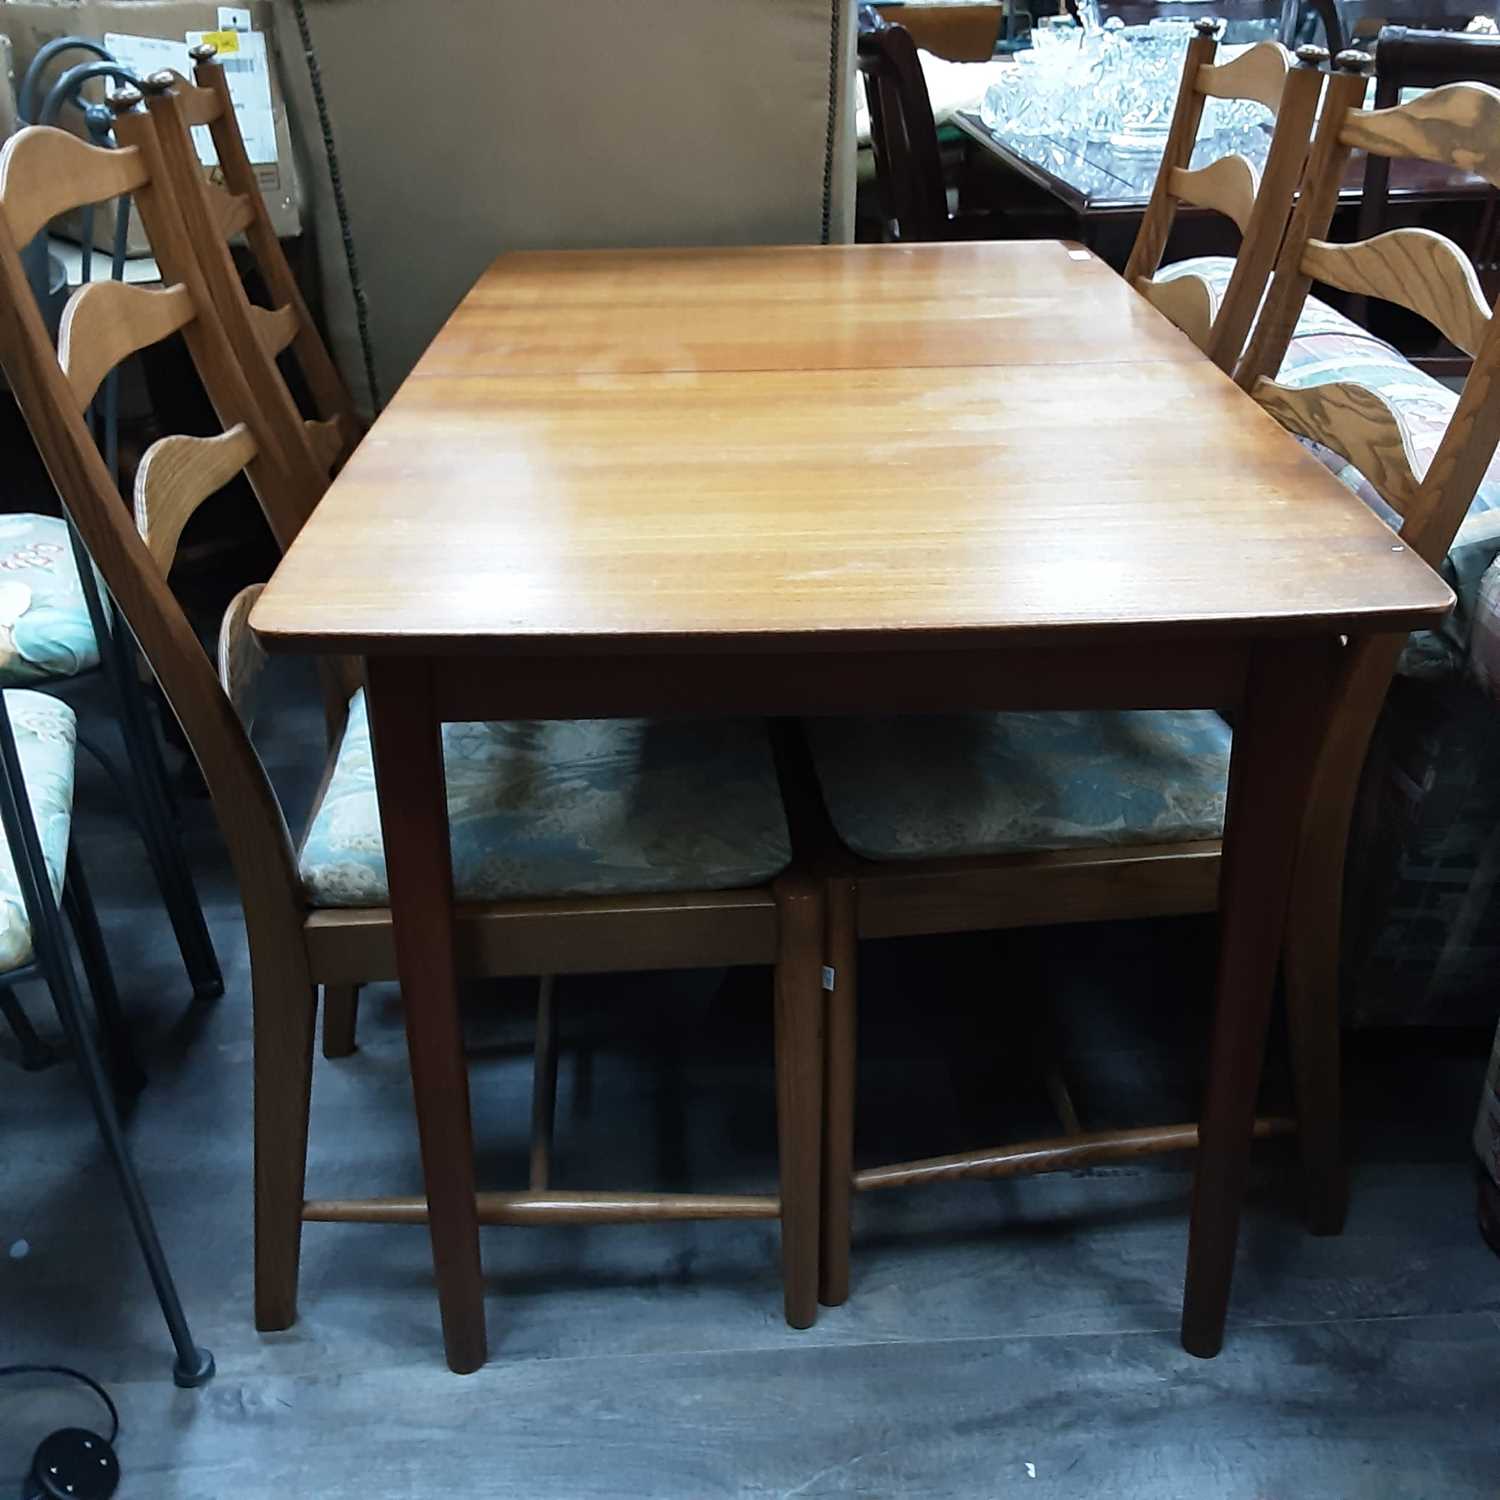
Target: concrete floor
<point x="1001" y="1339"/>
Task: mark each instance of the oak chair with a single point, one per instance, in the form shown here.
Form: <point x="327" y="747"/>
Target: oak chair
<point x="1408" y="58"/>
<point x="714" y="894"/>
<point x="1427" y="478"/>
<point x="904" y="857"/>
<point x="314" y="447"/>
<point x="216" y="215"/>
<point x="1216" y="319"/>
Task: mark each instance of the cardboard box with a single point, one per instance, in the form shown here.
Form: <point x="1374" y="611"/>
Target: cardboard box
<point x="30" y="26"/>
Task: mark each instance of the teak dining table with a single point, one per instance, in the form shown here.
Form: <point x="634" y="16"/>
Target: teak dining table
<point x="794" y="481"/>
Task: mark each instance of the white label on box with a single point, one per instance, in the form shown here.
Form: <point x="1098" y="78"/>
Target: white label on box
<point x="242" y="54"/>
<point x="231" y="18"/>
<point x="145" y="55"/>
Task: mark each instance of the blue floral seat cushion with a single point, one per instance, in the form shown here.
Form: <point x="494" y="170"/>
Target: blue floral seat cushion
<point x="948" y="786"/>
<point x="46" y="740"/>
<point x="567" y="808"/>
<point x="45" y="631"/>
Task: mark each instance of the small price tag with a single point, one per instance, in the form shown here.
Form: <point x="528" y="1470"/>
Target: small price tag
<point x="233" y="18"/>
<point x="225" y="43"/>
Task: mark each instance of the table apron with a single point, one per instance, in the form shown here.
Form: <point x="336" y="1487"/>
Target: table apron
<point x="1090" y="675"/>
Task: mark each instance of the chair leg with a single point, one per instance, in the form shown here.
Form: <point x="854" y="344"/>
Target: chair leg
<point x="1311" y="968"/>
<point x="286" y="1007"/>
<point x="78" y="902"/>
<point x="841" y="1067"/>
<point x="193" y="1365"/>
<point x="340" y="1018"/>
<point x="147" y="779"/>
<point x="544" y="1083"/>
<point x="35" y="1053"/>
<point x="799" y="1091"/>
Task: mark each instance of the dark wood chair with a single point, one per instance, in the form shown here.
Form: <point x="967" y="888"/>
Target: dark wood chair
<point x="903" y="135"/>
<point x="1407" y="58"/>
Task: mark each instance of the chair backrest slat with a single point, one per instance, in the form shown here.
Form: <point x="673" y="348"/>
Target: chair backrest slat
<point x="176" y="475"/>
<point x="241" y="656"/>
<point x="232" y="213"/>
<point x="1228" y="186"/>
<point x="1258" y="206"/>
<point x="104" y="322"/>
<point x="1258" y="74"/>
<point x="1457" y="125"/>
<point x="275" y="327"/>
<point x="1419" y="270"/>
<point x="1356" y="423"/>
<point x="1187" y="302"/>
<point x="46" y="173"/>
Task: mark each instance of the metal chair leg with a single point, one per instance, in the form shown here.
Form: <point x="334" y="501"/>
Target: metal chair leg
<point x="147" y="779"/>
<point x="35" y="1053"/>
<point x="193" y="1366"/>
<point x="124" y="1067"/>
<point x="146" y="788"/>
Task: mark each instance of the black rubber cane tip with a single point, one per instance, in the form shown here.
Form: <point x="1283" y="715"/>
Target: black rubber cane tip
<point x="190" y="1376"/>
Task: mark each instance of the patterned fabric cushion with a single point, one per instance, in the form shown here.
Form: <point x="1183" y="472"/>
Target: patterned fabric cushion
<point x="1328" y="346"/>
<point x="596" y="807"/>
<point x="45" y="633"/>
<point x="935" y="787"/>
<point x="45" y="739"/>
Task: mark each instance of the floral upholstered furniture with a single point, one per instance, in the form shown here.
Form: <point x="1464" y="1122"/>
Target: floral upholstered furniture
<point x="598" y="806"/>
<point x="46" y="738"/>
<point x="1004" y="783"/>
<point x="45" y="630"/>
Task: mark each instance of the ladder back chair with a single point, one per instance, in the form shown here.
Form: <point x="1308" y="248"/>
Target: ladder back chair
<point x="1426" y="474"/>
<point x="42" y="174"/>
<point x="698" y="874"/>
<point x="216" y="215"/>
<point x="1408" y="58"/>
<point x="1217" y="318"/>
<point x="903" y="134"/>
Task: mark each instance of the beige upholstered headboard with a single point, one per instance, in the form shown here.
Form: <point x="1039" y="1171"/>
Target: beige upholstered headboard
<point x="467" y="127"/>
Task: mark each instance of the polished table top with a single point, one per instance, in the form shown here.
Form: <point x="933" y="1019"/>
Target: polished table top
<point x="1094" y="177"/>
<point x="953" y="445"/>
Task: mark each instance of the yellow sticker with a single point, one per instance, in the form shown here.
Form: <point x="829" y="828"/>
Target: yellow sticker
<point x="223" y="42"/>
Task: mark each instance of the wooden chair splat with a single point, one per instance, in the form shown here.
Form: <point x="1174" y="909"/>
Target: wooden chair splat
<point x="176" y="476"/>
<point x="1187" y="301"/>
<point x="1355" y="422"/>
<point x="1456" y="125"/>
<point x="1259" y="74"/>
<point x="107" y="321"/>
<point x="45" y="172"/>
<point x="326" y="440"/>
<point x="241" y="659"/>
<point x="1258" y="205"/>
<point x="1228" y="186"/>
<point x="1422" y="271"/>
<point x="232" y="212"/>
<point x="275" y="327"/>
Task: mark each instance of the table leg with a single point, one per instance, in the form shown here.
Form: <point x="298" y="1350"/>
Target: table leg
<point x="1277" y="733"/>
<point x="407" y="740"/>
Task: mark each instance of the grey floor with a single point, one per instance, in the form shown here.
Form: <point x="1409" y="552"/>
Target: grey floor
<point x="1001" y="1338"/>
